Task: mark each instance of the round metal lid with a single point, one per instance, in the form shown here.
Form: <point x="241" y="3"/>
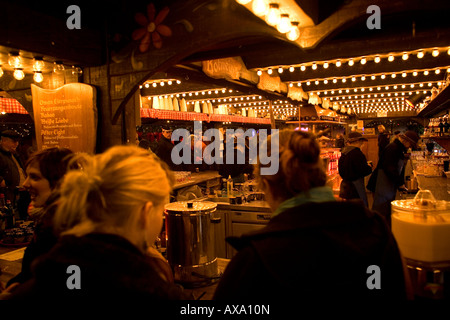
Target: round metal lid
<point x="190" y="206"/>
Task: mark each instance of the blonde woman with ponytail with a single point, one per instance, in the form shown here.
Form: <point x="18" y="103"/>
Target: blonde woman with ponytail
<point x="118" y="197"/>
<point x="314" y="247"/>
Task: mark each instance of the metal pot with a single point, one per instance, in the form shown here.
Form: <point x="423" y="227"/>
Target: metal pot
<point x="190" y="242"/>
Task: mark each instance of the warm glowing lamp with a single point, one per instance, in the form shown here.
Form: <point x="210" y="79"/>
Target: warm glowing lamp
<point x="38" y="77"/>
<point x="294" y="32"/>
<point x="18" y="74"/>
<point x="273" y="16"/>
<point x="285" y="24"/>
<point x="259" y="7"/>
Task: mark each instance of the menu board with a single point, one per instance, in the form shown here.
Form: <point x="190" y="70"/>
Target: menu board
<point x="65" y="117"/>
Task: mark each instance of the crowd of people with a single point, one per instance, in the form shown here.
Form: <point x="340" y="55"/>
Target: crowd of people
<point x="101" y="214"/>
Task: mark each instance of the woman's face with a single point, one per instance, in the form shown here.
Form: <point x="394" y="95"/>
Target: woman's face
<point x="37" y="186"/>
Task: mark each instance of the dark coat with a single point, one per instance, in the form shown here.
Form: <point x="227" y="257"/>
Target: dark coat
<point x="390" y="176"/>
<point x="164" y="152"/>
<point x="352" y="167"/>
<point x="110" y="267"/>
<point x="383" y="141"/>
<point x="315" y="251"/>
<point x="9" y="173"/>
<point x="392" y="162"/>
<point x="44" y="238"/>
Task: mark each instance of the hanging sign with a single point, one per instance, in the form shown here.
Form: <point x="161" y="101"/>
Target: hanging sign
<point x="227" y="68"/>
<point x="65" y="117"/>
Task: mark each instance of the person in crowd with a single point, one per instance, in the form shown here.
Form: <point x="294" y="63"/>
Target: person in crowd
<point x="395" y="135"/>
<point x="314" y="247"/>
<point x="165" y="146"/>
<point x="383" y="139"/>
<point x="353" y="167"/>
<point x="45" y="170"/>
<point x="236" y="170"/>
<point x="12" y="174"/>
<point x="391" y="172"/>
<point x="119" y="196"/>
<point x="340" y="141"/>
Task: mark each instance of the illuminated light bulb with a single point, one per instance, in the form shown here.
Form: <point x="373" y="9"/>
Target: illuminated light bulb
<point x="243" y="2"/>
<point x="415" y="73"/>
<point x="363" y="61"/>
<point x="437" y="71"/>
<point x="377" y="59"/>
<point x="162" y="83"/>
<point x="393" y="75"/>
<point x="259" y="72"/>
<point x="1" y="71"/>
<point x="316" y="82"/>
<point x="38" y="64"/>
<point x="291" y="69"/>
<point x="344" y="80"/>
<point x="334" y="80"/>
<point x="18" y="74"/>
<point x="425" y="73"/>
<point x="273" y="16"/>
<point x="280" y="70"/>
<point x="435" y="52"/>
<point x="325" y="65"/>
<point x="303" y="68"/>
<point x="314" y="66"/>
<point x="391" y="58"/>
<point x="259" y="7"/>
<point x="170" y="83"/>
<point x="373" y="77"/>
<point x="269" y="71"/>
<point x="15" y="61"/>
<point x="353" y="79"/>
<point x="325" y="81"/>
<point x="58" y="67"/>
<point x="154" y="84"/>
<point x="338" y="63"/>
<point x="308" y="83"/>
<point x="285" y="24"/>
<point x="404" y="74"/>
<point x="38" y="77"/>
<point x="420" y="54"/>
<point x="178" y="81"/>
<point x="351" y="62"/>
<point x="363" y="78"/>
<point x="405" y="56"/>
<point x="383" y="76"/>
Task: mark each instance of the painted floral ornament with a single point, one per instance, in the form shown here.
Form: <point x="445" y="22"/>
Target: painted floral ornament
<point x="152" y="28"/>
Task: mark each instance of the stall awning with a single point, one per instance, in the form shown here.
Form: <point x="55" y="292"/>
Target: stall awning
<point x="8" y="105"/>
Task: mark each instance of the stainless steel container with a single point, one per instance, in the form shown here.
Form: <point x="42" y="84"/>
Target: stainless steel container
<point x="190" y="242"/>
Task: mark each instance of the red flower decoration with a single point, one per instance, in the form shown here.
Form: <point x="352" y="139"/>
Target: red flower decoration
<point x="152" y="29"/>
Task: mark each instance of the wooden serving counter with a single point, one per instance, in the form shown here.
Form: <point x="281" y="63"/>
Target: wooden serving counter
<point x="197" y="178"/>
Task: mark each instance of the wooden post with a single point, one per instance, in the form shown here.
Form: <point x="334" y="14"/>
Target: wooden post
<point x="272" y="119"/>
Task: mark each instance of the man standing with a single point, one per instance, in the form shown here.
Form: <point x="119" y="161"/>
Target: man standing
<point x="383" y="139"/>
<point x="391" y="171"/>
<point x="12" y="175"/>
<point x="165" y="146"/>
<point x="353" y="167"/>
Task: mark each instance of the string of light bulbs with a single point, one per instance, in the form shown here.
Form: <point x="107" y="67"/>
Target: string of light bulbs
<point x="377" y="58"/>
